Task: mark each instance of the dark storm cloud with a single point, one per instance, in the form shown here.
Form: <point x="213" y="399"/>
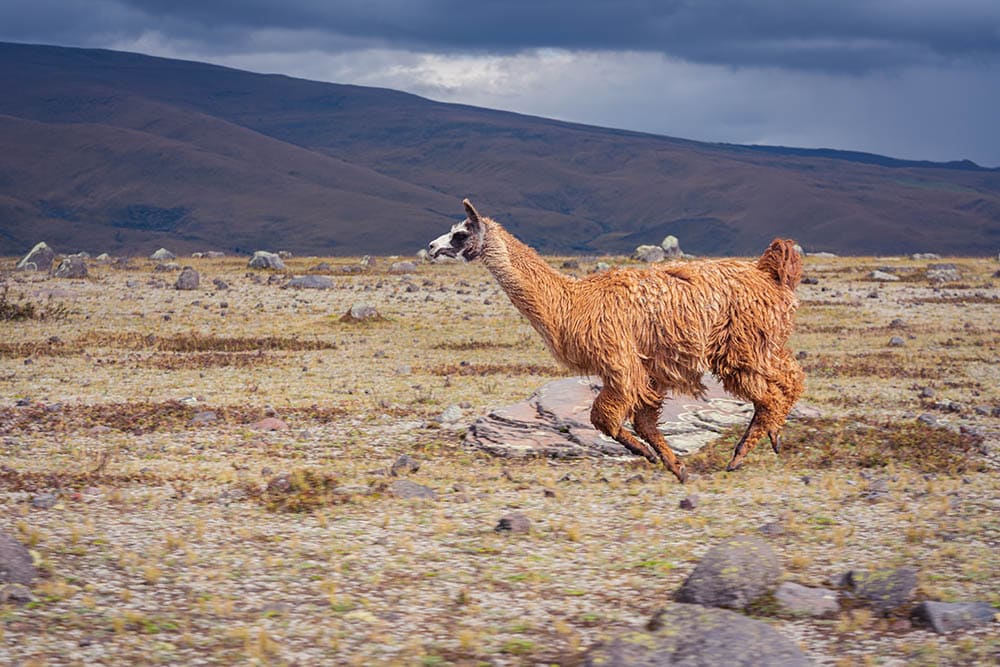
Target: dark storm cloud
<point x="835" y="36"/>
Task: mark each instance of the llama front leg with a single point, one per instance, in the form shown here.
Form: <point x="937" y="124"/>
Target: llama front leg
<point x="608" y="416"/>
<point x="772" y="400"/>
<point x="646" y="421"/>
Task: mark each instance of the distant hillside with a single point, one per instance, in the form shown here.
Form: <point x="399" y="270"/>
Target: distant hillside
<point x="119" y="152"/>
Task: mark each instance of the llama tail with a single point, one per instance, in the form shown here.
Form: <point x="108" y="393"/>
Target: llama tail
<point x="782" y="262"/>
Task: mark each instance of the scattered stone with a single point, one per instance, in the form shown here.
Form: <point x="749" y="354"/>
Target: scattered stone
<point x="322" y="267"/>
<point x="263" y="259"/>
<point x="924" y="255"/>
<point x="689" y="503"/>
<point x="39" y="258"/>
<point x="773" y="529"/>
<point x="671" y="247"/>
<point x="943" y="273"/>
<point x="311" y="282"/>
<point x="732" y="574"/>
<point x="602" y="266"/>
<point x="70" y="267"/>
<point x="162" y="255"/>
<point x="402" y="267"/>
<point x="882" y="276"/>
<point x="44" y="501"/>
<point x="450" y="414"/>
<point x="928" y="419"/>
<point x="798" y="600"/>
<point x="220" y="284"/>
<point x="886" y="591"/>
<point x="945" y="617"/>
<point x="649" y="253"/>
<point x="204" y="417"/>
<point x="103" y="258"/>
<point x="270" y="424"/>
<point x="214" y="254"/>
<point x="927" y="392"/>
<point x="896" y="341"/>
<point x="897" y="324"/>
<point x="802" y="354"/>
<point x="697" y="636"/>
<point x="404" y="488"/>
<point x="361" y="312"/>
<point x="571" y="264"/>
<point x="169" y="266"/>
<point x="368" y="261"/>
<point x="948" y="406"/>
<point x="515" y="522"/>
<point x="405" y="464"/>
<point x="16" y="594"/>
<point x="822" y="255"/>
<point x="285" y="254"/>
<point x="810" y="280"/>
<point x="188" y="279"/>
<point x="16" y="564"/>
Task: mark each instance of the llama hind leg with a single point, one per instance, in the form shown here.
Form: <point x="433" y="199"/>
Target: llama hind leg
<point x="608" y="416"/>
<point x="645" y="422"/>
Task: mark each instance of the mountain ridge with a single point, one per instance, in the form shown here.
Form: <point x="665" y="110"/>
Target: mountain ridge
<point x="129" y="152"/>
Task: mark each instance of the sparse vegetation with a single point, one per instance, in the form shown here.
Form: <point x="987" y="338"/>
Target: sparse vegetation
<point x="172" y="539"/>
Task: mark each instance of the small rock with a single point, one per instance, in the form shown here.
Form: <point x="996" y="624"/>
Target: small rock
<point x="732" y="574"/>
<point x="405" y="464"/>
<point x="649" y="253"/>
<point x="220" y="284"/>
<point x="39" y="258"/>
<point x="896" y="341"/>
<point x="280" y="484"/>
<point x="162" y="255"/>
<point x="404" y="488"/>
<point x="450" y="414"/>
<point x="266" y="260"/>
<point x="322" y="267"/>
<point x="897" y="324"/>
<point x="886" y="591"/>
<point x="44" y="501"/>
<point x="515" y="522"/>
<point x="945" y="617"/>
<point x="943" y="273"/>
<point x="204" y="417"/>
<point x="361" y="312"/>
<point x="882" y="276"/>
<point x="270" y="424"/>
<point x="571" y="264"/>
<point x="810" y="280"/>
<point x="798" y="600"/>
<point x="311" y="282"/>
<point x="16" y="594"/>
<point x="689" y="503"/>
<point x="927" y="392"/>
<point x="773" y="529"/>
<point x="802" y="354"/>
<point x="924" y="255"/>
<point x="929" y="420"/>
<point x="285" y="254"/>
<point x="602" y="266"/>
<point x="188" y="279"/>
<point x="214" y="254"/>
<point x="671" y="247"/>
<point x="71" y="267"/>
<point x="402" y="267"/>
<point x="368" y="261"/>
<point x="16" y="564"/>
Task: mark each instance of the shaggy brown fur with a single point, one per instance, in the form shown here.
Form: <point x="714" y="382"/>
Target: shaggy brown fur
<point x="646" y="332"/>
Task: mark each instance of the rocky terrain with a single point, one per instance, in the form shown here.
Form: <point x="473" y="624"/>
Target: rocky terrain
<point x="232" y="465"/>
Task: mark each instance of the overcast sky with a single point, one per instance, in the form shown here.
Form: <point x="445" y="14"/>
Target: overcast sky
<point x="915" y="79"/>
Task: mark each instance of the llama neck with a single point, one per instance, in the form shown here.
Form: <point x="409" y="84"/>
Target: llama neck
<point x="537" y="290"/>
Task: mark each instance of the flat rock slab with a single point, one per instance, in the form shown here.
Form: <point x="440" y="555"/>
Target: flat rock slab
<point x="554" y="422"/>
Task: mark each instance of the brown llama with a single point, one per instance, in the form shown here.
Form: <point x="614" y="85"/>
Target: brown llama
<point x="648" y="331"/>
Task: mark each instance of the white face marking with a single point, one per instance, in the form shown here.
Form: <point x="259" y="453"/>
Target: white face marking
<point x="451" y="244"/>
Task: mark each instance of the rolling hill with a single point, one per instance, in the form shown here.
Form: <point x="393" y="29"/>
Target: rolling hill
<point x="119" y="152"/>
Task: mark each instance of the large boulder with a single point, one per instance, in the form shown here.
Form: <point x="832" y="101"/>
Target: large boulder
<point x="649" y="253"/>
<point x="732" y="574"/>
<point x="361" y="312"/>
<point x="188" y="279"/>
<point x="695" y="636"/>
<point x="16" y="565"/>
<point x="162" y="255"/>
<point x="886" y="591"/>
<point x="263" y="259"/>
<point x="40" y="258"/>
<point x="70" y="267"/>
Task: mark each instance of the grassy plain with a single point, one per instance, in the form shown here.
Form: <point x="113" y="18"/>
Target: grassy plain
<point x="164" y="545"/>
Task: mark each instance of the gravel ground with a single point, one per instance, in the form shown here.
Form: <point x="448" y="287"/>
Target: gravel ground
<point x="164" y="545"/>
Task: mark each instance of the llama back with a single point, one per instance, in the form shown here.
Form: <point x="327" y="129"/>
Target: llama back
<point x="782" y="262"/>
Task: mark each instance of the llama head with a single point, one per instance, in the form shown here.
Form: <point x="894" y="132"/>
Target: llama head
<point x="465" y="240"/>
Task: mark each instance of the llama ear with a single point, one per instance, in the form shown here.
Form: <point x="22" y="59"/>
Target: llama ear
<point x="470" y="211"/>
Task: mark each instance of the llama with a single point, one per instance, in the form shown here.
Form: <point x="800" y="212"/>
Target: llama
<point x="645" y="332"/>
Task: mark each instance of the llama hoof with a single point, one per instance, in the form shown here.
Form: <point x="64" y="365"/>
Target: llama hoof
<point x="682" y="474"/>
<point x="734" y="465"/>
<point x="775" y="442"/>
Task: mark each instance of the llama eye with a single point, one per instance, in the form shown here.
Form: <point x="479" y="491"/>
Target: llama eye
<point x="459" y="237"/>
